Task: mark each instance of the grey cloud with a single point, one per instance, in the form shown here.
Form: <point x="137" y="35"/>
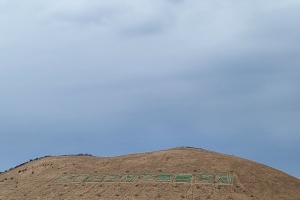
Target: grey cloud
<point x="175" y="1"/>
<point x="219" y="75"/>
<point x="144" y="29"/>
<point x="99" y="14"/>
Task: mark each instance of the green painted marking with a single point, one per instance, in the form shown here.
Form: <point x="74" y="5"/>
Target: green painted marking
<point x="204" y="177"/>
<point x="164" y="178"/>
<point x="65" y="178"/>
<point x="146" y="177"/>
<point x="183" y="178"/>
<point x="80" y="178"/>
<point x="95" y="178"/>
<point x="112" y="178"/>
<point x="129" y="178"/>
<point x="224" y="178"/>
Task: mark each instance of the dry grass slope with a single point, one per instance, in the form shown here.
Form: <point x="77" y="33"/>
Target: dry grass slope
<point x="38" y="179"/>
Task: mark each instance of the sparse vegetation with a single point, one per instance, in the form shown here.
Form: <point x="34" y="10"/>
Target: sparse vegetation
<point x="37" y="179"/>
<point x="81" y="154"/>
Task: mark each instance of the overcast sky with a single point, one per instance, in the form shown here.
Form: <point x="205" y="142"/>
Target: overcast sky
<point x="110" y="77"/>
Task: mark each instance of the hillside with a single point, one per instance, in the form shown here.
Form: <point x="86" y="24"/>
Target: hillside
<point x="179" y="173"/>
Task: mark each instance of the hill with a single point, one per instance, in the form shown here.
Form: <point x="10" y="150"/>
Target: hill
<point x="179" y="173"/>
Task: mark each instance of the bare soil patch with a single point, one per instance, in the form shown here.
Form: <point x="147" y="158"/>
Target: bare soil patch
<point x="187" y="173"/>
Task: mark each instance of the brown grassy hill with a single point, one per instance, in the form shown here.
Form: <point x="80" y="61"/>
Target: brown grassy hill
<point x="180" y="173"/>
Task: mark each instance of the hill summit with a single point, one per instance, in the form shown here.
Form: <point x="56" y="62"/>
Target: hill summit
<point x="179" y="173"/>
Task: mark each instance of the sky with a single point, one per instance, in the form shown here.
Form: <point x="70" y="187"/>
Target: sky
<point x="109" y="78"/>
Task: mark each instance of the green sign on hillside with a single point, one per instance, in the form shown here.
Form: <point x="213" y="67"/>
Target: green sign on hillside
<point x="147" y="177"/>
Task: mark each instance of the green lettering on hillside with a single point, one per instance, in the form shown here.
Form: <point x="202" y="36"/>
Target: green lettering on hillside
<point x="204" y="177"/>
<point x="64" y="178"/>
<point x="112" y="178"/>
<point x="95" y="178"/>
<point x="183" y="178"/>
<point x="146" y="177"/>
<point x="224" y="178"/>
<point x="164" y="178"/>
<point x="80" y="178"/>
<point x="129" y="178"/>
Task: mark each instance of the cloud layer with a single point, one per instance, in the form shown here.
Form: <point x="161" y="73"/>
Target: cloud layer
<point x="111" y="77"/>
